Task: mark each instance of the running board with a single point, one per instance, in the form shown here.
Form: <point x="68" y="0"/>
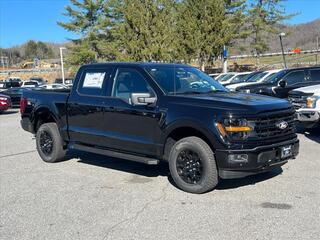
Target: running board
<point x="135" y="158"/>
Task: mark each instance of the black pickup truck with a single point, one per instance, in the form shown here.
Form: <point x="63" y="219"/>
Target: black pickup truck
<point x="150" y="112"/>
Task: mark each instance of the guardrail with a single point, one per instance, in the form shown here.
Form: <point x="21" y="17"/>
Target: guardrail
<point x="32" y="70"/>
<point x="273" y="54"/>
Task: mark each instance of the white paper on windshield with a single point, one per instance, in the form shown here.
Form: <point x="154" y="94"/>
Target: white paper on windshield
<point x="93" y="80"/>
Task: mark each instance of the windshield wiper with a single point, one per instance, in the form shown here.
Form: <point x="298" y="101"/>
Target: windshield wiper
<point x="195" y="92"/>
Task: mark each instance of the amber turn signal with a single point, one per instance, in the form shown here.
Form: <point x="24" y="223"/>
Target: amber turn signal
<point x="238" y="129"/>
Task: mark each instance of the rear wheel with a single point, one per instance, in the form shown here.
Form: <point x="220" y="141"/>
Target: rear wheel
<point x="192" y="165"/>
<point x="50" y="143"/>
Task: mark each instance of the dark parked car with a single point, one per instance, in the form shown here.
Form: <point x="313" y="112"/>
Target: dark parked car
<point x="280" y="84"/>
<point x="15" y="95"/>
<point x="8" y="84"/>
<point x="5" y="102"/>
<point x="149" y="112"/>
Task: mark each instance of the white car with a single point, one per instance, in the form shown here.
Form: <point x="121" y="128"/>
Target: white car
<point x="54" y="86"/>
<point x="235" y="78"/>
<point x="30" y="84"/>
<point x="306" y="101"/>
<point x="259" y="77"/>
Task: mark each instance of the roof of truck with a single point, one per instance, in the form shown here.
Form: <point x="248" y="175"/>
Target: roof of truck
<point x="140" y="64"/>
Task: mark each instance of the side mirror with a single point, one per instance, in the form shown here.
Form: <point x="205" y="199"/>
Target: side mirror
<point x="142" y="99"/>
<point x="282" y="83"/>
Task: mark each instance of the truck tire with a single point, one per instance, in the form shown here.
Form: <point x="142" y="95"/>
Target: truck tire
<point x="50" y="143"/>
<point x="193" y="166"/>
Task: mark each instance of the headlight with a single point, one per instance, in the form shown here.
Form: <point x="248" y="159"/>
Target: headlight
<point x="236" y="129"/>
<point x="311" y="102"/>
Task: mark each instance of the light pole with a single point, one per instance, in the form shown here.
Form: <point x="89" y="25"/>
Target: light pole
<point x="283" y="56"/>
<point x="61" y="59"/>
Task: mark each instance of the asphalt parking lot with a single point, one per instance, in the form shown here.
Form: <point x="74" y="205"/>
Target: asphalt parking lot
<point x="94" y="197"/>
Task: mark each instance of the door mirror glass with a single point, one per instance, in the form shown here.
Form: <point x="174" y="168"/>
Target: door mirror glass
<point x="282" y="83"/>
<point x="142" y="99"/>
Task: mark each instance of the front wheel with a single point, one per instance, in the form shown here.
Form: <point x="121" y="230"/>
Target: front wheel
<point x="192" y="165"/>
<point x="50" y="143"/>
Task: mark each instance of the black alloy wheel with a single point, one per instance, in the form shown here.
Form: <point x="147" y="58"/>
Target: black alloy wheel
<point x="46" y="143"/>
<point x="189" y="166"/>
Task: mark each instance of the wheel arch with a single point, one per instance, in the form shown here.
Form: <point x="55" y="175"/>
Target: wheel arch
<point x="43" y="115"/>
<point x="186" y="128"/>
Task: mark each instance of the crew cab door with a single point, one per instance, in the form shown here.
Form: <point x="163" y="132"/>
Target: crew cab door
<point x="132" y="128"/>
<point x="85" y="108"/>
<point x="293" y="80"/>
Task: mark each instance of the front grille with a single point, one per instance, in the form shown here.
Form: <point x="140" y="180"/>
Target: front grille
<point x="266" y="129"/>
<point x="298" y="101"/>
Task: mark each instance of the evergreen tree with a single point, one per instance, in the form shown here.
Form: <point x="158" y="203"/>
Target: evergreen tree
<point x="200" y="27"/>
<point x="234" y="22"/>
<point x="31" y="50"/>
<point x="263" y="17"/>
<point x="144" y="30"/>
<point x="85" y="20"/>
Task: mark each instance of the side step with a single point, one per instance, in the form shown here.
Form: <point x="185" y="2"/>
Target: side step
<point x="125" y="156"/>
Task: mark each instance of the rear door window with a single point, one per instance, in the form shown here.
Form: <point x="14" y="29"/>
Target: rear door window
<point x="94" y="82"/>
<point x="295" y="77"/>
<point x="315" y="74"/>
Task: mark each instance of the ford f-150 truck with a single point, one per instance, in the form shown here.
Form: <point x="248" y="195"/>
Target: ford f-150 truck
<point x="306" y="101"/>
<point x="150" y="112"/>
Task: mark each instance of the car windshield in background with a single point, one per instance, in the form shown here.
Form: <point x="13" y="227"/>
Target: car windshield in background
<point x="226" y="77"/>
<point x="269" y="77"/>
<point x="240" y="78"/>
<point x="257" y="77"/>
<point x="182" y="80"/>
<point x="275" y="77"/>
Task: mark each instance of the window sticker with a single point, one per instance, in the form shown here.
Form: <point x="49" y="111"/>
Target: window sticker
<point x="93" y="80"/>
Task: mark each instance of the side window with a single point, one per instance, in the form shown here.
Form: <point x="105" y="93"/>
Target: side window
<point x="93" y="82"/>
<point x="129" y="81"/>
<point x="315" y="74"/>
<point x="294" y="77"/>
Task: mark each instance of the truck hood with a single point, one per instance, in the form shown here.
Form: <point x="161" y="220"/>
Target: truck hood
<point x="235" y="102"/>
<point x="236" y="85"/>
<point x="315" y="89"/>
<point x="255" y="85"/>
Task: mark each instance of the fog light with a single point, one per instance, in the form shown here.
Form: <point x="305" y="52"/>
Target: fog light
<point x="238" y="158"/>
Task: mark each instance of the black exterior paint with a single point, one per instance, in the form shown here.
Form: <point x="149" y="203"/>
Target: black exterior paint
<point x="111" y="123"/>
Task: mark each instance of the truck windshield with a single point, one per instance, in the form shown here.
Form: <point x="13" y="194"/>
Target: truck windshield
<point x="182" y="80"/>
<point x="257" y="77"/>
<point x="276" y="77"/>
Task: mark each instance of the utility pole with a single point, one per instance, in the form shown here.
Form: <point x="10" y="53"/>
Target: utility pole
<point x="62" y="68"/>
<point x="283" y="56"/>
<point x="225" y="59"/>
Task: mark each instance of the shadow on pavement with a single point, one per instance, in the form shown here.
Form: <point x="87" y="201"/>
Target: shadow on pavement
<point x="250" y="180"/>
<point x="162" y="170"/>
<point x="312" y="134"/>
<point x="10" y="111"/>
<point x="123" y="165"/>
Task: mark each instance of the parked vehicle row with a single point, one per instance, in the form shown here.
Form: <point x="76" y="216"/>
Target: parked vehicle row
<point x="280" y="84"/>
<point x="151" y="112"/>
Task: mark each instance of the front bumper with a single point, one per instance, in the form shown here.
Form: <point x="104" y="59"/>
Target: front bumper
<point x="308" y="115"/>
<point x="260" y="159"/>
